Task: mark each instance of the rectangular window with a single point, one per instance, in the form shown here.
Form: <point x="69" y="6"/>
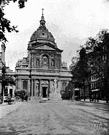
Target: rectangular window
<point x="25" y="84"/>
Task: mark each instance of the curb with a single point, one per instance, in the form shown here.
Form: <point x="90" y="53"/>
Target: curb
<point x="94" y="102"/>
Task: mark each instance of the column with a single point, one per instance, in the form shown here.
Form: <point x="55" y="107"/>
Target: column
<point x="59" y="85"/>
<point x="48" y="88"/>
<point x="29" y="86"/>
<point x="55" y="84"/>
<point x="49" y="62"/>
<point x="37" y="88"/>
<point x="16" y="83"/>
<point x="13" y="91"/>
<point x="55" y="61"/>
<point x="40" y="61"/>
<point x="19" y="84"/>
<point x="40" y="89"/>
<point x="32" y="87"/>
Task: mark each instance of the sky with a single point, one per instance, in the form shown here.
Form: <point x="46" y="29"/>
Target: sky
<point x="70" y="21"/>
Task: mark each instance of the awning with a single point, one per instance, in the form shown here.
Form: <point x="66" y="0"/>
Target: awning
<point x="77" y="89"/>
<point x="95" y="90"/>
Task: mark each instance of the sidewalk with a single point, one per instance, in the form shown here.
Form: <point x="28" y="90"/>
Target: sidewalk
<point x="100" y="101"/>
<point x="5" y="108"/>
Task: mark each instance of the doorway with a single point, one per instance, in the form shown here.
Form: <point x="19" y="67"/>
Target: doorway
<point x="11" y="92"/>
<point x="44" y="92"/>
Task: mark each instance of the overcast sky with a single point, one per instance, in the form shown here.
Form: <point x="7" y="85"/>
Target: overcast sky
<point x="70" y="21"/>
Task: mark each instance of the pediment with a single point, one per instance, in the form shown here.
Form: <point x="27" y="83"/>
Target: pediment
<point x="44" y="47"/>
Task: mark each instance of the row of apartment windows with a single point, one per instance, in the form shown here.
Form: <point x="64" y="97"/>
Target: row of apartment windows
<point x="96" y="85"/>
<point x="104" y="57"/>
<point x="94" y="77"/>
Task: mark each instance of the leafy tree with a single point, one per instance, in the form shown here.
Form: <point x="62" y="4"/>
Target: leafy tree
<point x="98" y="49"/>
<point x="5" y="24"/>
<point x="9" y="80"/>
<point x="93" y="59"/>
<point x="80" y="71"/>
<point x="68" y="93"/>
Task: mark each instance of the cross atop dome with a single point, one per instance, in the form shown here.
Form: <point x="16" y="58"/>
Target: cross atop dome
<point x="42" y="21"/>
<point x="42" y="11"/>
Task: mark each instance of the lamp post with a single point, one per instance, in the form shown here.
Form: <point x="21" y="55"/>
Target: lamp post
<point x="30" y="66"/>
<point x="3" y="81"/>
<point x="30" y="80"/>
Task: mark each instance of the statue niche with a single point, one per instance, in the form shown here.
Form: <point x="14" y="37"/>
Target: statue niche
<point x="52" y="63"/>
<point x="45" y="61"/>
<point x="37" y="63"/>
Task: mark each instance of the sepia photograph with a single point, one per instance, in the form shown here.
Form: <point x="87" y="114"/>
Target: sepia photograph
<point x="54" y="67"/>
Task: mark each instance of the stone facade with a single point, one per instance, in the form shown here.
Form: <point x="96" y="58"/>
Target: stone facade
<point x="42" y="71"/>
<point x="9" y="88"/>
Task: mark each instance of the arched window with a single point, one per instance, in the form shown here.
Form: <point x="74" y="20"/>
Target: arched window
<point x="37" y="63"/>
<point x="44" y="61"/>
<point x="52" y="62"/>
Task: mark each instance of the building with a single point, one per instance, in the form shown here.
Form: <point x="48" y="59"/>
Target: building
<point x="100" y="73"/>
<point x="2" y="63"/>
<point x="98" y="90"/>
<point x="42" y="71"/>
<point x="7" y="87"/>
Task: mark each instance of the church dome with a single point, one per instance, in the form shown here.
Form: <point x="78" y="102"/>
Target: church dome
<point x="42" y="33"/>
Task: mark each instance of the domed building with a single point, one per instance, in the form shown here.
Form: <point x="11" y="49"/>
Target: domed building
<point x="42" y="72"/>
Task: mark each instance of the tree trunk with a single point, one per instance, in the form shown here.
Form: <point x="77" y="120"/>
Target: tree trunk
<point x="106" y="89"/>
<point x="90" y="93"/>
<point x="84" y="92"/>
<point x="107" y="95"/>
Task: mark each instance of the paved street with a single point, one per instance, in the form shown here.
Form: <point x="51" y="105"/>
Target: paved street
<point x="56" y="118"/>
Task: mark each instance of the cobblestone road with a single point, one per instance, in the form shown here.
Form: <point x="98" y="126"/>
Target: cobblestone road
<point x="57" y="118"/>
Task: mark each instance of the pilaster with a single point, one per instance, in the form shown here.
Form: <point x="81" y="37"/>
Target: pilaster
<point x="40" y="89"/>
<point x="28" y="85"/>
<point x="32" y="87"/>
<point x="40" y="61"/>
<point x="49" y="62"/>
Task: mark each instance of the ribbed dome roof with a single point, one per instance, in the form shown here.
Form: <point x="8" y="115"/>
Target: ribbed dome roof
<point x="42" y="33"/>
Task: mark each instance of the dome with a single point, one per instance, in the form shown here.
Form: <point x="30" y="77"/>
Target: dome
<point x="42" y="33"/>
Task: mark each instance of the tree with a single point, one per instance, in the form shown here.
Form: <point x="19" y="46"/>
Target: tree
<point x="9" y="80"/>
<point x="98" y="49"/>
<point x="5" y="24"/>
<point x="80" y="71"/>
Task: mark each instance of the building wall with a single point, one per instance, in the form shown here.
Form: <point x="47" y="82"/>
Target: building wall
<point x="38" y="82"/>
<point x="44" y="59"/>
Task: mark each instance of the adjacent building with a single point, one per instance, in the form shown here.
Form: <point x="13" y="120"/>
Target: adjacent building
<point x="7" y="87"/>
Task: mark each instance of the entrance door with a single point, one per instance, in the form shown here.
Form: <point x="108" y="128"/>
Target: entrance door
<point x="44" y="92"/>
<point x="11" y="92"/>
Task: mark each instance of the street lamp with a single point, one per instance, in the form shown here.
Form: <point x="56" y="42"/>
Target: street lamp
<point x="3" y="81"/>
<point x="30" y="80"/>
<point x="30" y="66"/>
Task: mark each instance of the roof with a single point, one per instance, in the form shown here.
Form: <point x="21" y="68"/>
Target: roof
<point x="42" y="33"/>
